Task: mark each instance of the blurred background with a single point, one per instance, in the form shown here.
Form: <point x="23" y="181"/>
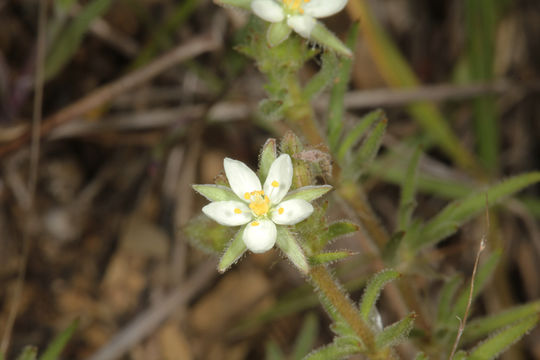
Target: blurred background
<point x="142" y="98"/>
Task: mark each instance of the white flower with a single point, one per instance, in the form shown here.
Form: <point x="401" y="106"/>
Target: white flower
<point x="259" y="208"/>
<point x="299" y="15"/>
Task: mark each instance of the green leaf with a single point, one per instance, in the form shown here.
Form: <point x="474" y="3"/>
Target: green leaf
<point x="483" y="275"/>
<point x="373" y="290"/>
<point x="324" y="77"/>
<point x="446" y="299"/>
<point x="391" y="248"/>
<point x="288" y="244"/>
<point x="207" y="235"/>
<point x="52" y="352"/>
<point x="328" y="257"/>
<point x="235" y="250"/>
<point x="369" y="148"/>
<point x="395" y="333"/>
<point x="70" y="38"/>
<point x="499" y="342"/>
<point x="334" y="351"/>
<point x="339" y="228"/>
<point x="408" y="192"/>
<point x="267" y="157"/>
<point x="306" y="338"/>
<point x="308" y="193"/>
<point x="336" y="107"/>
<point x="273" y="352"/>
<point x="357" y="132"/>
<point x="481" y="327"/>
<point x="215" y="192"/>
<point x="28" y="353"/>
<point x="458" y="212"/>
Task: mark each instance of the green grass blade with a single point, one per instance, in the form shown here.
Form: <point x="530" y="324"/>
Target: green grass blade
<point x="71" y="37"/>
<point x="499" y="342"/>
<point x="52" y="352"/>
<point x="306" y="338"/>
<point x="373" y="291"/>
<point x="458" y="212"/>
<point x="408" y="192"/>
<point x="481" y="327"/>
<point x="336" y="107"/>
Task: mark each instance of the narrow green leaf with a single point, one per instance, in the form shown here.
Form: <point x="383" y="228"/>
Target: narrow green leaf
<point x="70" y="38"/>
<point x="324" y="77"/>
<point x="215" y="192"/>
<point x="339" y="228"/>
<point x="481" y="327"/>
<point x="273" y="351"/>
<point x="446" y="299"/>
<point x="28" y="353"/>
<point x="308" y="193"/>
<point x="288" y="244"/>
<point x="267" y="157"/>
<point x="408" y="192"/>
<point x="336" y="107"/>
<point x="334" y="351"/>
<point x="235" y="250"/>
<point x="391" y="248"/>
<point x="458" y="212"/>
<point x="483" y="275"/>
<point x="328" y="257"/>
<point x="52" y="352"/>
<point x="306" y="338"/>
<point x="370" y="147"/>
<point x="373" y="290"/>
<point x="395" y="333"/>
<point x="499" y="342"/>
<point x="357" y="132"/>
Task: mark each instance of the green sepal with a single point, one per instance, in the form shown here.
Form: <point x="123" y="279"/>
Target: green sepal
<point x="395" y="333"/>
<point x="267" y="157"/>
<point x="207" y="235"/>
<point x="339" y="228"/>
<point x="329" y="257"/>
<point x="287" y="243"/>
<point x="499" y="342"/>
<point x="326" y="38"/>
<point x="243" y="4"/>
<point x="215" y="192"/>
<point x="308" y="193"/>
<point x="234" y="251"/>
<point x="277" y="33"/>
<point x="373" y="291"/>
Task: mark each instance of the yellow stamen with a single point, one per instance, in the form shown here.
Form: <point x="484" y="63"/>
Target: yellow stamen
<point x="275" y="183"/>
<point x="255" y="223"/>
<point x="237" y="211"/>
<point x="247" y="196"/>
<point x="280" y="211"/>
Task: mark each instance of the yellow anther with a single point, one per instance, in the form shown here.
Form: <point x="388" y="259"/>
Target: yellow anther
<point x="237" y="211"/>
<point x="247" y="196"/>
<point x="275" y="183"/>
<point x="255" y="223"/>
<point x="306" y="1"/>
<point x="281" y="211"/>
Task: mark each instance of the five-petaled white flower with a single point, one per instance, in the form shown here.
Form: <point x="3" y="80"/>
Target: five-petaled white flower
<point x="299" y="15"/>
<point x="260" y="207"/>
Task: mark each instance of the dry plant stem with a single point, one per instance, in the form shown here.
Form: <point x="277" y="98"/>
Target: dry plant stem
<point x="106" y="93"/>
<point x="463" y="321"/>
<point x="32" y="181"/>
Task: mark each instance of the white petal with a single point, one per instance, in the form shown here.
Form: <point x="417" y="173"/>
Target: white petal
<point x="268" y="10"/>
<point x="260" y="236"/>
<point x="302" y="24"/>
<point x="241" y="178"/>
<point x="280" y="174"/>
<point x="323" y="8"/>
<point x="292" y="212"/>
<point x="229" y="213"/>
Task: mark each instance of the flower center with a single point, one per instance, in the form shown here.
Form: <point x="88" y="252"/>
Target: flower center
<point x="295" y="6"/>
<point x="260" y="203"/>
